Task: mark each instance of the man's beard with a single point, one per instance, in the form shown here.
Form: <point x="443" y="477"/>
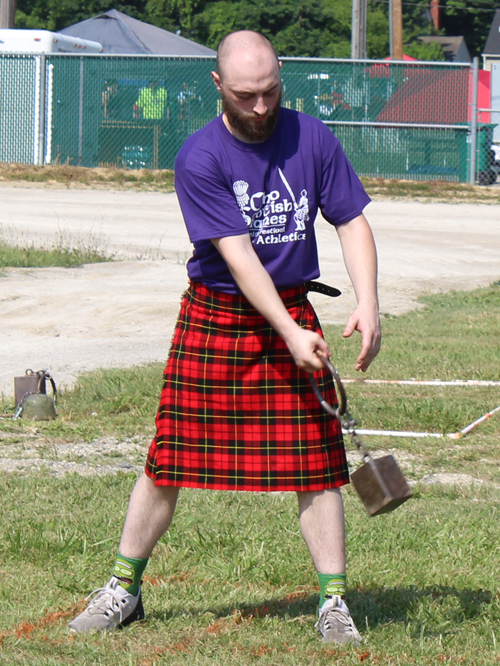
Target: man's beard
<point x="245" y="123"/>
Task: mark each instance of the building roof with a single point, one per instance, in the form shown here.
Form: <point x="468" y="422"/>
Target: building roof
<point x="427" y="97"/>
<point x="454" y="48"/>
<point x="492" y="46"/>
<point x="121" y="34"/>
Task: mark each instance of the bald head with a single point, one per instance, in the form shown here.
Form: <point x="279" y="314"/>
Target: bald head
<point x="244" y="45"/>
<point x="248" y="80"/>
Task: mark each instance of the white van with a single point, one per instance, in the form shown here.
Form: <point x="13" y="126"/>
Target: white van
<point x="44" y="41"/>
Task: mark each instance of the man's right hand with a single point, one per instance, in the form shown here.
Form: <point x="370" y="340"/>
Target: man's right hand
<point x="256" y="284"/>
<point x="305" y="347"/>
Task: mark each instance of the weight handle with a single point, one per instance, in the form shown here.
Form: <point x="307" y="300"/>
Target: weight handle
<point x="348" y="423"/>
<point x="43" y="376"/>
<point x="341" y="394"/>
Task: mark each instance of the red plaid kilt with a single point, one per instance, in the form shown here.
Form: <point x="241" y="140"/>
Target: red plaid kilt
<point x="235" y="411"/>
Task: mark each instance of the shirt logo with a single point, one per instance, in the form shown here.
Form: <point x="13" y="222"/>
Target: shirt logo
<point x="268" y="213"/>
<point x="301" y="214"/>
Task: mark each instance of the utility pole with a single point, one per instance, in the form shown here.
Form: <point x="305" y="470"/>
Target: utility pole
<point x="358" y="30"/>
<point x="7" y="13"/>
<point x="396" y="29"/>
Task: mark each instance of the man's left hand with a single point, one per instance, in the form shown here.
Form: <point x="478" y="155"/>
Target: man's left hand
<point x="366" y="321"/>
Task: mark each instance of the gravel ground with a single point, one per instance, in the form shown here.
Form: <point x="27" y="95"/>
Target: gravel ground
<point x="107" y="455"/>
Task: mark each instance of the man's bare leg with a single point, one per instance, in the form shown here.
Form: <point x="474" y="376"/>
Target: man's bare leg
<point x="150" y="512"/>
<point x="322" y="525"/>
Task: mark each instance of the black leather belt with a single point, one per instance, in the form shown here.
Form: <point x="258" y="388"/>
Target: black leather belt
<point x="321" y="288"/>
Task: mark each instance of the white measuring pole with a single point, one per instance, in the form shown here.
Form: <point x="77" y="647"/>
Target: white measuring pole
<point x="405" y="433"/>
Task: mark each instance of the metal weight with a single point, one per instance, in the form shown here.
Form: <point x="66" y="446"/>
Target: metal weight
<point x="27" y="383"/>
<point x="32" y="400"/>
<point x="381" y="485"/>
<point x="38" y="407"/>
<point x="32" y="382"/>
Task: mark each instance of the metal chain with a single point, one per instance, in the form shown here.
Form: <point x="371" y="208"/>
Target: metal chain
<point x="350" y="424"/>
<point x="21" y="404"/>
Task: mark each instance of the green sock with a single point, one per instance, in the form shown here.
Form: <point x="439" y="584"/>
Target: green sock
<point x="331" y="585"/>
<point x="129" y="572"/>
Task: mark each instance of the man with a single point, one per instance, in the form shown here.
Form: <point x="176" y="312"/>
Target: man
<point x="151" y="102"/>
<point x="110" y="100"/>
<point x="237" y="410"/>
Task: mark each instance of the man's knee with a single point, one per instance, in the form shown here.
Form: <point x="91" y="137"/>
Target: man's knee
<point x="146" y="486"/>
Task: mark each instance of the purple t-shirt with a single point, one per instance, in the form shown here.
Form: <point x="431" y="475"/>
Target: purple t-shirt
<point x="271" y="190"/>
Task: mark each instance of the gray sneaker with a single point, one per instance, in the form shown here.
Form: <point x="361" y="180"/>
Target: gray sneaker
<point x="335" y="623"/>
<point x="111" y="607"/>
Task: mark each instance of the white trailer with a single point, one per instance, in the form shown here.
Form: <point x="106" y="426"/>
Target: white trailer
<point x="26" y="90"/>
<point x="44" y="41"/>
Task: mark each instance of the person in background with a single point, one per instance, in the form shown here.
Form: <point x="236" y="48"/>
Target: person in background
<point x="110" y="107"/>
<point x="152" y="102"/>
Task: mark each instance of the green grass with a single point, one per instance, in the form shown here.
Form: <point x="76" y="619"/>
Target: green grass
<point x="453" y="336"/>
<point x="232" y="582"/>
<point x="19" y="253"/>
<point x="242" y="589"/>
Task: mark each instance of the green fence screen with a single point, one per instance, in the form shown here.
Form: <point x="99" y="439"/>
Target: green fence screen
<point x="397" y="120"/>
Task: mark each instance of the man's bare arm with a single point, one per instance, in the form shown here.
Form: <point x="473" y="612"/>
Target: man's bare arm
<point x="256" y="284"/>
<point x="360" y="257"/>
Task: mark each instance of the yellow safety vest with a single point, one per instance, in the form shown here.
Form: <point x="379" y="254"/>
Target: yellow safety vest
<point x="152" y="102"/>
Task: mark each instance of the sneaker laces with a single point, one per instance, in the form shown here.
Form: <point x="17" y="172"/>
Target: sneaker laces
<point x="335" y="615"/>
<point x="107" y="600"/>
<point x="335" y="611"/>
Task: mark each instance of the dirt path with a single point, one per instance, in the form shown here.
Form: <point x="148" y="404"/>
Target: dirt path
<point x="123" y="313"/>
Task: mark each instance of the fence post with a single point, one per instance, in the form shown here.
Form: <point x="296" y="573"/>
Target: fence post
<point x="39" y="115"/>
<point x="49" y="116"/>
<point x="43" y="97"/>
<point x="473" y="124"/>
<point x="80" y="113"/>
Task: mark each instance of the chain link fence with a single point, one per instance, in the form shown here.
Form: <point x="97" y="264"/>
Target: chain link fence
<point x="395" y="120"/>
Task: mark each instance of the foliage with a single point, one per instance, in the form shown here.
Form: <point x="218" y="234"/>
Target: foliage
<point x="470" y="19"/>
<point x="377" y="31"/>
<point x="305" y="27"/>
<point x="310" y="28"/>
<point x="58" y="14"/>
<point x="421" y="51"/>
<point x="296" y="27"/>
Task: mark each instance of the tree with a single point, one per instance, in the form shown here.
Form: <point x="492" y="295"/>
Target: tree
<point x="320" y="28"/>
<point x="470" y="19"/>
<point x="295" y="27"/>
<point x="58" y="14"/>
<point x="377" y="31"/>
<point x="421" y="51"/>
<point x="174" y="15"/>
